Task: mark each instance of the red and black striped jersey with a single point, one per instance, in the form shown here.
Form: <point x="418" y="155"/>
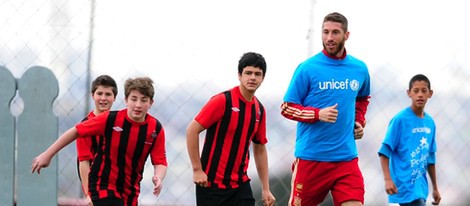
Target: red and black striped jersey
<point x="118" y="166"/>
<point x="232" y="123"/>
<point x="86" y="147"/>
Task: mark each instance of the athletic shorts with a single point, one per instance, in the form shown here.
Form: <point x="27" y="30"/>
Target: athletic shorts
<point x="108" y="202"/>
<point x="241" y="196"/>
<point x="312" y="180"/>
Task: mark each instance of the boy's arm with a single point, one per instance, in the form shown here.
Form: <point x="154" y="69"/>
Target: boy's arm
<point x="84" y="169"/>
<point x="435" y="191"/>
<point x="261" y="161"/>
<point x="192" y="143"/>
<point x="44" y="159"/>
<point x="159" y="173"/>
<point x="390" y="187"/>
<point x="84" y="156"/>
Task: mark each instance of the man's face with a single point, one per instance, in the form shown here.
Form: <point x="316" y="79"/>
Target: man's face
<point x="334" y="37"/>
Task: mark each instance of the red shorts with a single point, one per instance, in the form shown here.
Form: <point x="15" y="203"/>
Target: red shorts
<point x="312" y="180"/>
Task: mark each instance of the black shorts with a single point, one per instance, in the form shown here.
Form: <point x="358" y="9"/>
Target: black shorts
<point x="108" y="202"/>
<point x="241" y="196"/>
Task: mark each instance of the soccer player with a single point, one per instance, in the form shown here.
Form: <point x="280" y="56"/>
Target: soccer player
<point x="409" y="149"/>
<point x="232" y="120"/>
<point x="130" y="136"/>
<point x="328" y="96"/>
<point x="103" y="93"/>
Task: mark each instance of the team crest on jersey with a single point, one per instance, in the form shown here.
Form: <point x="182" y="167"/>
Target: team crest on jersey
<point x="299" y="187"/>
<point x="354" y="84"/>
<point x="297" y="201"/>
<point x="117" y="129"/>
<point x="154" y="134"/>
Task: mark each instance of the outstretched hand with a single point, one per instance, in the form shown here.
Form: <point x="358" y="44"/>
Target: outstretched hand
<point x="39" y="162"/>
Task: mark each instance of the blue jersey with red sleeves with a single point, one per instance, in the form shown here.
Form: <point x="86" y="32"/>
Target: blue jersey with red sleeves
<point x="320" y="82"/>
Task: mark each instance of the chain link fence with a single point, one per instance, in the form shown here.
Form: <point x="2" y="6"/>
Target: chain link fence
<point x="68" y="36"/>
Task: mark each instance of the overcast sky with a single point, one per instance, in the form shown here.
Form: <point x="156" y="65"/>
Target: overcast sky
<point x="175" y="41"/>
<point x="184" y="40"/>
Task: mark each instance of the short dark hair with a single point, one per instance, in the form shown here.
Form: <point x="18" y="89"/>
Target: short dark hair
<point x="106" y="81"/>
<point x="338" y="18"/>
<point x="252" y="59"/>
<point x="142" y="84"/>
<point x="419" y="77"/>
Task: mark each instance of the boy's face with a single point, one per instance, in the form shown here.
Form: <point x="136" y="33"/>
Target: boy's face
<point x="251" y="78"/>
<point x="138" y="105"/>
<point x="103" y="98"/>
<point x="419" y="94"/>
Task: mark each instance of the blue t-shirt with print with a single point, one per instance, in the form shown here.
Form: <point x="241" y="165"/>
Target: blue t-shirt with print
<point x="410" y="146"/>
<point x="320" y="82"/>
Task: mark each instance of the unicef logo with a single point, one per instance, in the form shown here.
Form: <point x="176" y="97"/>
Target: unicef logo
<point x="354" y="85"/>
<point x="342" y="85"/>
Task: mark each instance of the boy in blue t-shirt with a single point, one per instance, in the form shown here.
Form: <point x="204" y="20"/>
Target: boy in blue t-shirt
<point x="409" y="149"/>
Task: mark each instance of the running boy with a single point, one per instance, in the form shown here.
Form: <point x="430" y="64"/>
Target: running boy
<point x="409" y="149"/>
<point x="130" y="136"/>
<point x="233" y="119"/>
<point x="103" y="93"/>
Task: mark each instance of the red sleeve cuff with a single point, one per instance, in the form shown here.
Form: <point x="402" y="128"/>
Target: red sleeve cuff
<point x="299" y="113"/>
<point x="361" y="109"/>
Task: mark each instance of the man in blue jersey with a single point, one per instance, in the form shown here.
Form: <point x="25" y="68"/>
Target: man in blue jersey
<point x="328" y="97"/>
<point x="409" y="149"/>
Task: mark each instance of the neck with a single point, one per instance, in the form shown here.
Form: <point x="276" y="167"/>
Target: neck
<point x="247" y="95"/>
<point x="96" y="111"/>
<point x="339" y="56"/>
<point x="419" y="111"/>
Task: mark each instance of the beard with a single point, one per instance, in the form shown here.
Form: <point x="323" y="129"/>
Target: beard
<point x="336" y="51"/>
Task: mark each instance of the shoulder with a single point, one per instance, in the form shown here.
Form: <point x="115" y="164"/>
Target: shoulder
<point x="259" y="102"/>
<point x="357" y="62"/>
<point x="401" y="115"/>
<point x="315" y="59"/>
<point x="219" y="97"/>
<point x="404" y="113"/>
<point x="429" y="117"/>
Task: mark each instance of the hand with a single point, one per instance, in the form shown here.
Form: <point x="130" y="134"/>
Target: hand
<point x="436" y="196"/>
<point x="88" y="201"/>
<point x="200" y="178"/>
<point x="268" y="198"/>
<point x="390" y="187"/>
<point x="39" y="162"/>
<point x="358" y="131"/>
<point x="157" y="188"/>
<point x="328" y="114"/>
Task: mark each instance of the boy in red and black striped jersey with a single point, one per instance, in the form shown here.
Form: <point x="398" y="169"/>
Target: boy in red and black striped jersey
<point x="103" y="93"/>
<point x="130" y="136"/>
<point x="233" y="119"/>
